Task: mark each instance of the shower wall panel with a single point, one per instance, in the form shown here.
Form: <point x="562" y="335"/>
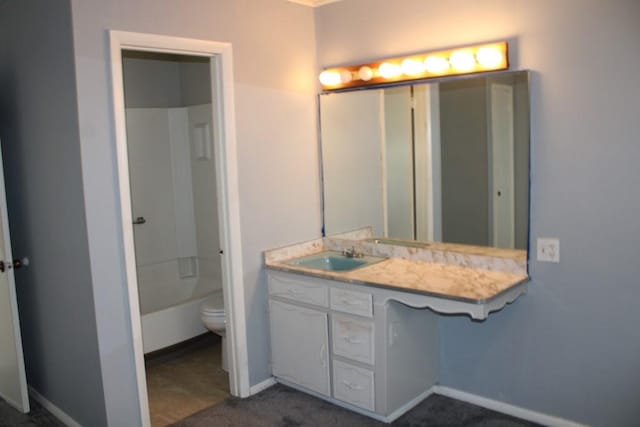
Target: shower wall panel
<point x="173" y="187"/>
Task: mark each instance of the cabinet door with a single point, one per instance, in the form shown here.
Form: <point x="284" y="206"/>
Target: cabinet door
<point x="299" y="346"/>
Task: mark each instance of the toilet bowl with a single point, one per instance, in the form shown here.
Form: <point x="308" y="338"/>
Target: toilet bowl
<point x="212" y="314"/>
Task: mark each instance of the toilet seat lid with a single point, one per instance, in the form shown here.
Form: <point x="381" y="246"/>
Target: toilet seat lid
<point x="213" y="304"/>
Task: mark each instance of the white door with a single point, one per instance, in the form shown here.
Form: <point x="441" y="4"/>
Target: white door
<point x="503" y="183"/>
<point x="13" y="382"/>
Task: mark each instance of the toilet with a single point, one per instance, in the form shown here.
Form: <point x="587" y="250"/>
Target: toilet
<point x="213" y="316"/>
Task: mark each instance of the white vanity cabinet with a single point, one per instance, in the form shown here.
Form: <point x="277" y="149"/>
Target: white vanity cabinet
<point x="358" y="346"/>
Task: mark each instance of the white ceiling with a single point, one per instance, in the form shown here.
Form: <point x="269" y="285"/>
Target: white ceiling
<point x="313" y="3"/>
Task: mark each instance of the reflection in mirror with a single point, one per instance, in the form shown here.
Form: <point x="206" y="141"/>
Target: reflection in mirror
<point x="445" y="161"/>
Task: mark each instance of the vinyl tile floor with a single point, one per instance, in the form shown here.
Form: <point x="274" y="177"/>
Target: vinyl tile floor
<point x="183" y="381"/>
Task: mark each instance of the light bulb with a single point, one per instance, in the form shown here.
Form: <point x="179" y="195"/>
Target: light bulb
<point x="330" y="78"/>
<point x="436" y="64"/>
<point x="365" y="73"/>
<point x="462" y="60"/>
<point x="389" y="70"/>
<point x="412" y="67"/>
<point x="345" y="76"/>
<point x="489" y="57"/>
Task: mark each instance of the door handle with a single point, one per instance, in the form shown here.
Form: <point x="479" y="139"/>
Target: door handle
<point x="323" y="360"/>
<point x="139" y="220"/>
<point x="16" y="264"/>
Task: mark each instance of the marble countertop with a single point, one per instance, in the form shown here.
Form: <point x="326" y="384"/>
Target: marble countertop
<point x="434" y="279"/>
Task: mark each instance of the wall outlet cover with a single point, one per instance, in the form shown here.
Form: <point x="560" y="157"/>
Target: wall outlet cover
<point x="548" y="249"/>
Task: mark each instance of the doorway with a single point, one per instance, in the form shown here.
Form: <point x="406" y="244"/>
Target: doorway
<point x="195" y="158"/>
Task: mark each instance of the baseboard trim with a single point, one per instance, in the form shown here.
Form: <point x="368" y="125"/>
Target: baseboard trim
<point x="494" y="405"/>
<point x="388" y="419"/>
<point x="261" y="386"/>
<point x="505" y="408"/>
<point x="409" y="405"/>
<point x="55" y="411"/>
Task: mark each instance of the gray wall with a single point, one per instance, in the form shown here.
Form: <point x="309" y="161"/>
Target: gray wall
<point x="464" y="162"/>
<point x="164" y="81"/>
<point x="195" y="82"/>
<point x="41" y="147"/>
<point x="151" y="81"/>
<point x="570" y="346"/>
<point x="275" y="83"/>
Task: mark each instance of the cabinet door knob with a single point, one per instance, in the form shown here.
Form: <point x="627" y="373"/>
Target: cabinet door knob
<point x="352" y="386"/>
<point x="347" y="301"/>
<point x="323" y="360"/>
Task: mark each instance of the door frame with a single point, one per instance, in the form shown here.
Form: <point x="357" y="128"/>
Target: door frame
<point x="22" y="401"/>
<point x="222" y="96"/>
<point x="434" y="149"/>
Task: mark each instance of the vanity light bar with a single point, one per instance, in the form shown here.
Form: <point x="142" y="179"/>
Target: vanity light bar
<point x="464" y="60"/>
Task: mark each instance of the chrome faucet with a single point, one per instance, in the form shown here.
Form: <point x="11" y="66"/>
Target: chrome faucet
<point x="352" y="253"/>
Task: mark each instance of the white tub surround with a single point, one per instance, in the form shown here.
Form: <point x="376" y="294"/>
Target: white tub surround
<point x="367" y="339"/>
<point x="176" y="228"/>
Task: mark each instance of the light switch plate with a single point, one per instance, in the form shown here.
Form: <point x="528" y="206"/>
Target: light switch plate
<point x="548" y="249"/>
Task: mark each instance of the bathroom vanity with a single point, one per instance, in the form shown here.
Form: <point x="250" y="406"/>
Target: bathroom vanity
<point x="366" y="338"/>
<point x="441" y="172"/>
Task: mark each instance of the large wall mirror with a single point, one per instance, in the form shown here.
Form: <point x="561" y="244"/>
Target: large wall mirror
<point x="445" y="161"/>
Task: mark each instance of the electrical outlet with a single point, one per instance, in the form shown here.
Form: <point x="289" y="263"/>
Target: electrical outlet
<point x="548" y="249"/>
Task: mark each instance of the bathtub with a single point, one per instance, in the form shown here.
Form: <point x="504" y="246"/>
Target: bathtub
<point x="170" y="306"/>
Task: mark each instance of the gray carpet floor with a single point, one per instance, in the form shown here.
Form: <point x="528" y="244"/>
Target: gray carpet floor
<point x="281" y="406"/>
<point x="38" y="416"/>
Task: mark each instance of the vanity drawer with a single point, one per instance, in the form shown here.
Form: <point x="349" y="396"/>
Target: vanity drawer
<point x="351" y="302"/>
<point x="353" y="385"/>
<point x="352" y="338"/>
<point x="306" y="290"/>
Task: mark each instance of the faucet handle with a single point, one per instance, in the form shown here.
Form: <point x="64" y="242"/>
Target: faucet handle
<point x="352" y="253"/>
<point x="356" y="253"/>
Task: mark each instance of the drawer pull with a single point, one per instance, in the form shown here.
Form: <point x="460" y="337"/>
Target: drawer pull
<point x="351" y="340"/>
<point x="346" y="301"/>
<point x="323" y="361"/>
<point x="352" y="386"/>
<point x="294" y="291"/>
